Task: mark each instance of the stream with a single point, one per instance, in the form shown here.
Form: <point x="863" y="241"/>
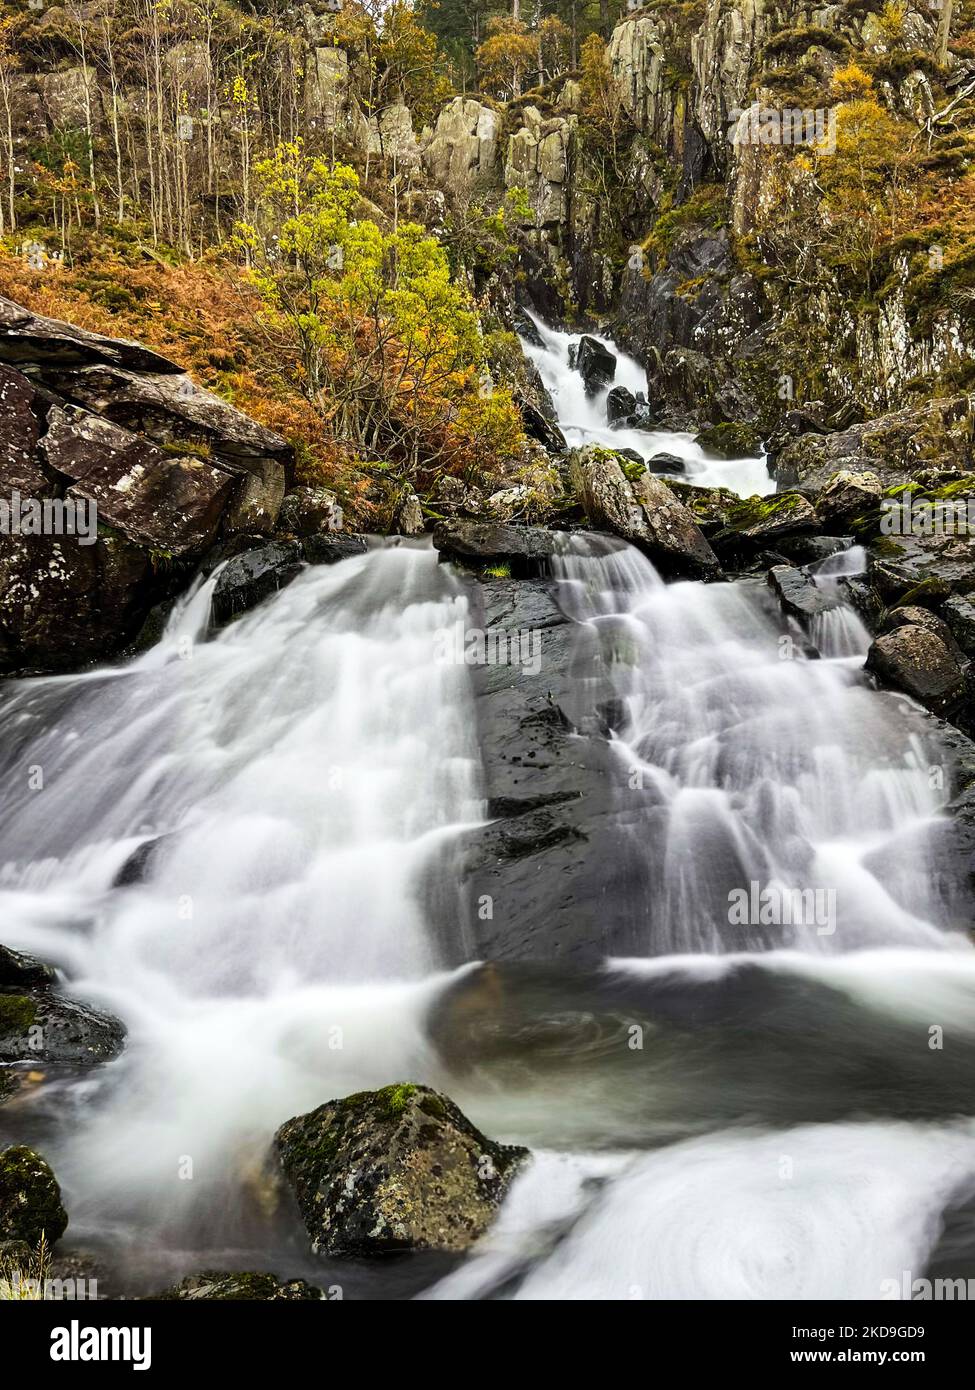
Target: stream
<point x="752" y="1106"/>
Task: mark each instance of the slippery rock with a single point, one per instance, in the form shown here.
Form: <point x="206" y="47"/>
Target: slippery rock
<point x="620" y="404"/>
<point x="758" y="520"/>
<point x="30" y="1199"/>
<point x="797" y="593"/>
<point x="525" y="548"/>
<point x="249" y="579"/>
<point x="594" y="363"/>
<point x="42" y="1027"/>
<point x="394" y="1170"/>
<point x="920" y="662"/>
<point x="643" y="511"/>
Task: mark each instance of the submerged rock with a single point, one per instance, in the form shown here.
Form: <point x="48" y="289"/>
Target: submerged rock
<point x="233" y="1286"/>
<point x="30" y="1199"/>
<point x="394" y="1170"/>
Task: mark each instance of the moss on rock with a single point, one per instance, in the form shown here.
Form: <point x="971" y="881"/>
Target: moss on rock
<point x="30" y="1199"/>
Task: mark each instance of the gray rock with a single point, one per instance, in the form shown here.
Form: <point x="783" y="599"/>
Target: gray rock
<point x="848" y="495"/>
<point x="798" y="594"/>
<point x="42" y="1027"/>
<point x="487" y="542"/>
<point x="393" y="1170"/>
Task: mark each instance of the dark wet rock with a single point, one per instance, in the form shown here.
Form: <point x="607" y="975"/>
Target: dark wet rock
<point x="40" y="1026"/>
<point x="233" y="1286"/>
<point x="666" y="463"/>
<point x="30" y="1199"/>
<point x="478" y="543"/>
<point x="731" y="440"/>
<point x="526" y="328"/>
<point x="917" y="660"/>
<point x="398" y="1169"/>
<point x="848" y="495"/>
<point x="309" y="511"/>
<point x="798" y="594"/>
<point x="643" y="511"/>
<point x="171" y="469"/>
<point x="63" y="605"/>
<point x="20" y="970"/>
<point x="631" y="456"/>
<point x="620" y="404"/>
<point x="812" y="550"/>
<point x="910" y="616"/>
<point x="329" y="549"/>
<point x="250" y="578"/>
<point x="594" y="363"/>
<point x="538" y="878"/>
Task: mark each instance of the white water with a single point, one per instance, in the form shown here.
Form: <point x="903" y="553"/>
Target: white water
<point x="583" y="419"/>
<point x="304" y="767"/>
<point x="308" y="769"/>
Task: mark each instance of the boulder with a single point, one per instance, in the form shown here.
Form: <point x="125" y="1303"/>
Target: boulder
<point x="758" y="520"/>
<point x="41" y="1026"/>
<point x="620" y="404"/>
<point x="730" y="441"/>
<point x="19" y="969"/>
<point x="249" y="579"/>
<point x="594" y="363"/>
<point x="236" y="1287"/>
<point x="477" y="543"/>
<point x="30" y="1199"/>
<point x="798" y="594"/>
<point x="400" y="1169"/>
<point x="920" y="662"/>
<point x="331" y="547"/>
<point x="848" y="495"/>
<point x="643" y="511"/>
<point x="410" y="520"/>
<point x="666" y="463"/>
<point x="307" y="511"/>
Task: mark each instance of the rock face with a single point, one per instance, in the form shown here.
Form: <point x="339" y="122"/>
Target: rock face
<point x="462" y="149"/>
<point x="644" y="512"/>
<point x="159" y="468"/>
<point x="393" y="1170"/>
<point x="892" y="447"/>
<point x="30" y="1199"/>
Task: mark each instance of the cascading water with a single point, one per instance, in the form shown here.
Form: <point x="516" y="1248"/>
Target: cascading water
<point x="296" y="774"/>
<point x="233" y="850"/>
<point x="582" y="418"/>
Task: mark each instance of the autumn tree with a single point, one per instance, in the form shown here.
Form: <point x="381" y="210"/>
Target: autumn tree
<point x="505" y="57"/>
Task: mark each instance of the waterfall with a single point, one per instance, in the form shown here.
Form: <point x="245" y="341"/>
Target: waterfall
<point x="582" y="418"/>
<point x="295" y="776"/>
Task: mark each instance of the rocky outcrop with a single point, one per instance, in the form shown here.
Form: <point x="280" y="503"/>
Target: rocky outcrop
<point x="30" y="1199"/>
<point x="643" y="511"/>
<point x="539" y="160"/>
<point x="461" y="150"/>
<point x="399" y="1169"/>
<point x="111" y="432"/>
<point x="892" y="447"/>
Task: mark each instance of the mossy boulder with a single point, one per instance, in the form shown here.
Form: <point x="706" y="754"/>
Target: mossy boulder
<point x="394" y="1170"/>
<point x="731" y="441"/>
<point x="30" y="1199"/>
<point x="236" y="1287"/>
<point x="923" y="662"/>
<point x="755" y="521"/>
